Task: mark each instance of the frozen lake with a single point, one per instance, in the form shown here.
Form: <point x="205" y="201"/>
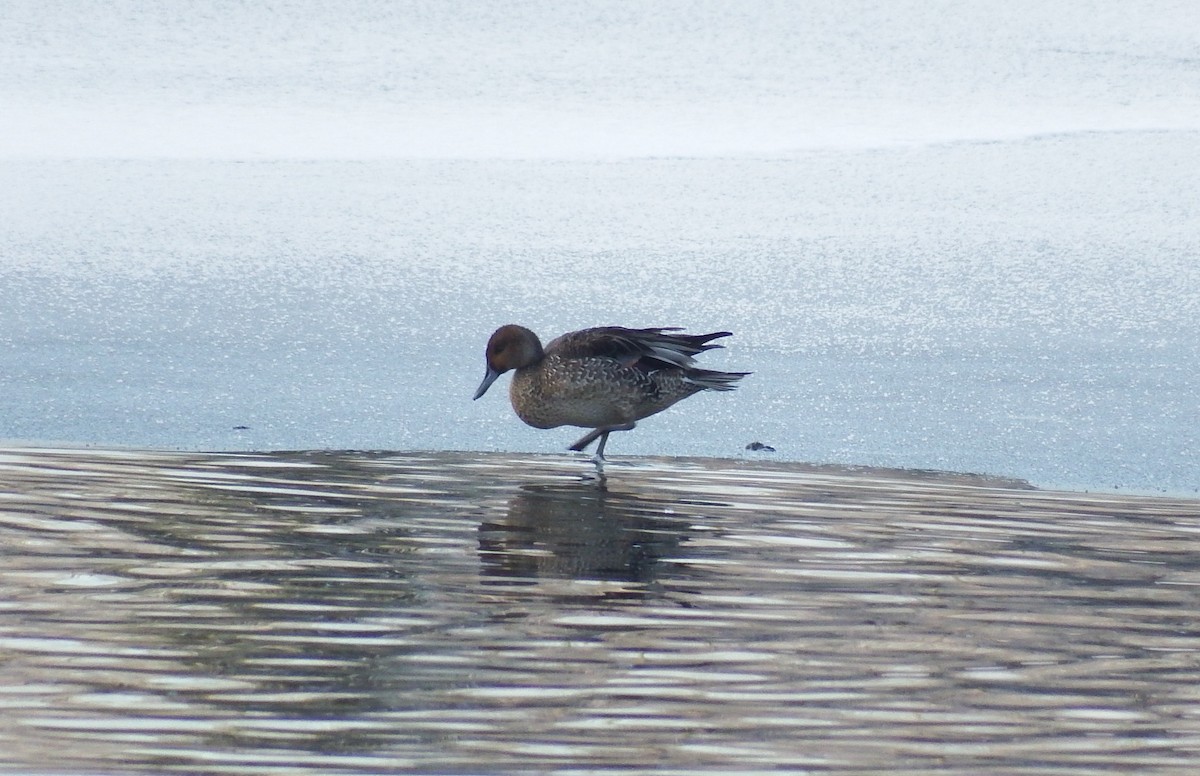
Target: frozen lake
<point x="1006" y="308"/>
<point x="963" y="242"/>
<point x="943" y="241"/>
<point x="962" y="238"/>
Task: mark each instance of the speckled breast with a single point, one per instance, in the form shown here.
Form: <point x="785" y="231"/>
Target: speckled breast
<point x="557" y="393"/>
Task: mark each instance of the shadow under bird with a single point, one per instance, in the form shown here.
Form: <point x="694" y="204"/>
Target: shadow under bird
<point x="605" y="379"/>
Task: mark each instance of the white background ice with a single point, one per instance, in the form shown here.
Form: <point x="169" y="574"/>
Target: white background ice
<point x="959" y="236"/>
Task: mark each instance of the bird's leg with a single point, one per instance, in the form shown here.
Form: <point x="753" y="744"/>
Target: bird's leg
<point x="601" y="434"/>
<point x="586" y="440"/>
<point x="600" y="448"/>
<point x="598" y="458"/>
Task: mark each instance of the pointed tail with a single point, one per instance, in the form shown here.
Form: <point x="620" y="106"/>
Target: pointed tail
<point x="713" y="380"/>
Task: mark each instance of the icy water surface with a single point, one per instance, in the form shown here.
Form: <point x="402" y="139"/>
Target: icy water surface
<point x="375" y="613"/>
<point x="972" y="307"/>
<point x="958" y="238"/>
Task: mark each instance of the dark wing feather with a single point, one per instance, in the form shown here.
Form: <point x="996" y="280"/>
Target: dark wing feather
<point x="647" y="349"/>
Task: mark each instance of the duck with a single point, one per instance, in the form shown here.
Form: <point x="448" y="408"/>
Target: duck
<point x="605" y="378"/>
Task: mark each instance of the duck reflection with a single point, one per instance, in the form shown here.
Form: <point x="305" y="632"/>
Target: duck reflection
<point x="580" y="531"/>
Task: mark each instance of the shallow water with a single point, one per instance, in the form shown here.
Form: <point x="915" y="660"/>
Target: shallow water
<point x="368" y="612"/>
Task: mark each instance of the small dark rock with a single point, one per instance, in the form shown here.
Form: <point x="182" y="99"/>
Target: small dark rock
<point x="760" y="447"/>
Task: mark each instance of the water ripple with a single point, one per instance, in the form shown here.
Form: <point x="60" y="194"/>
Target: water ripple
<point x="368" y="612"/>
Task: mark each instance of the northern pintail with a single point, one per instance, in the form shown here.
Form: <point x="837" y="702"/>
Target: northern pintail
<point x="605" y="378"/>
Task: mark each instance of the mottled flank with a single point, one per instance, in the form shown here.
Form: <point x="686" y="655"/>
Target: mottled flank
<point x="605" y="378"/>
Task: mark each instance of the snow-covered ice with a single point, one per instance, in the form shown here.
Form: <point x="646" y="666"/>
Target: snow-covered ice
<point x="957" y="242"/>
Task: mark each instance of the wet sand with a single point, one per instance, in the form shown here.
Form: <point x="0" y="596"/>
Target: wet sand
<point x="366" y="612"/>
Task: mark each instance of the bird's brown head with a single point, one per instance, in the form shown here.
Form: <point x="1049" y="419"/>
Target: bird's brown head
<point x="510" y="347"/>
